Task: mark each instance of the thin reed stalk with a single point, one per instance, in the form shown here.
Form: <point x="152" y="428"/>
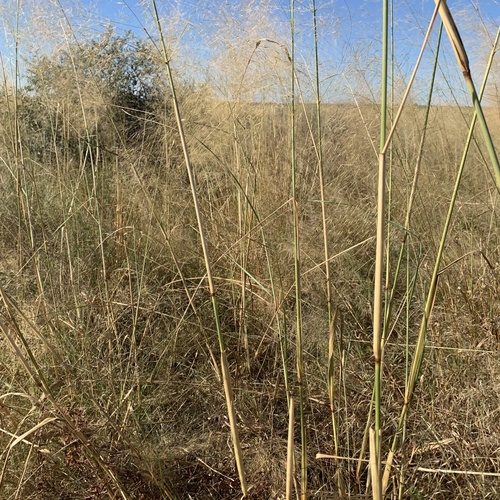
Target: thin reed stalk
<point x="411" y="286"/>
<point x="19" y="186"/>
<point x="226" y="378"/>
<point x="290" y="461"/>
<point x="378" y="307"/>
<point x="296" y="260"/>
<point x="244" y="244"/>
<point x="421" y="340"/>
<point x="332" y="316"/>
<point x="413" y="189"/>
<point x="389" y="176"/>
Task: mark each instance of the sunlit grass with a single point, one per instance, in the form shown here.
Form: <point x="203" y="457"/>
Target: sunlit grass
<point x="208" y="291"/>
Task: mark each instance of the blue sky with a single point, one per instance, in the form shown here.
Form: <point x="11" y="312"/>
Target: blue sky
<point x="114" y="9"/>
<point x="122" y="12"/>
<point x="349" y="31"/>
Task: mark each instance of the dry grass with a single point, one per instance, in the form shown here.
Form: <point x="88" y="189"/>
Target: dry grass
<point x="102" y="264"/>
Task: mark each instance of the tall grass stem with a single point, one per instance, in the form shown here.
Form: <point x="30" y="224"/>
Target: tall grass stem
<point x="203" y="239"/>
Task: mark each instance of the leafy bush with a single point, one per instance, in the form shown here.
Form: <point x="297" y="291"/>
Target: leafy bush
<point x="101" y="91"/>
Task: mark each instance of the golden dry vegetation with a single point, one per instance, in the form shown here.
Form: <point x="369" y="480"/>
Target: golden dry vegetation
<point x="111" y="379"/>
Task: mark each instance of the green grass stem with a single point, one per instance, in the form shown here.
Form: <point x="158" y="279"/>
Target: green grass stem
<point x="296" y="260"/>
<point x="226" y="377"/>
<point x="420" y="345"/>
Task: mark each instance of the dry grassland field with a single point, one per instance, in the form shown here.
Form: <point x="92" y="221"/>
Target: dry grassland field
<point x="247" y="252"/>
